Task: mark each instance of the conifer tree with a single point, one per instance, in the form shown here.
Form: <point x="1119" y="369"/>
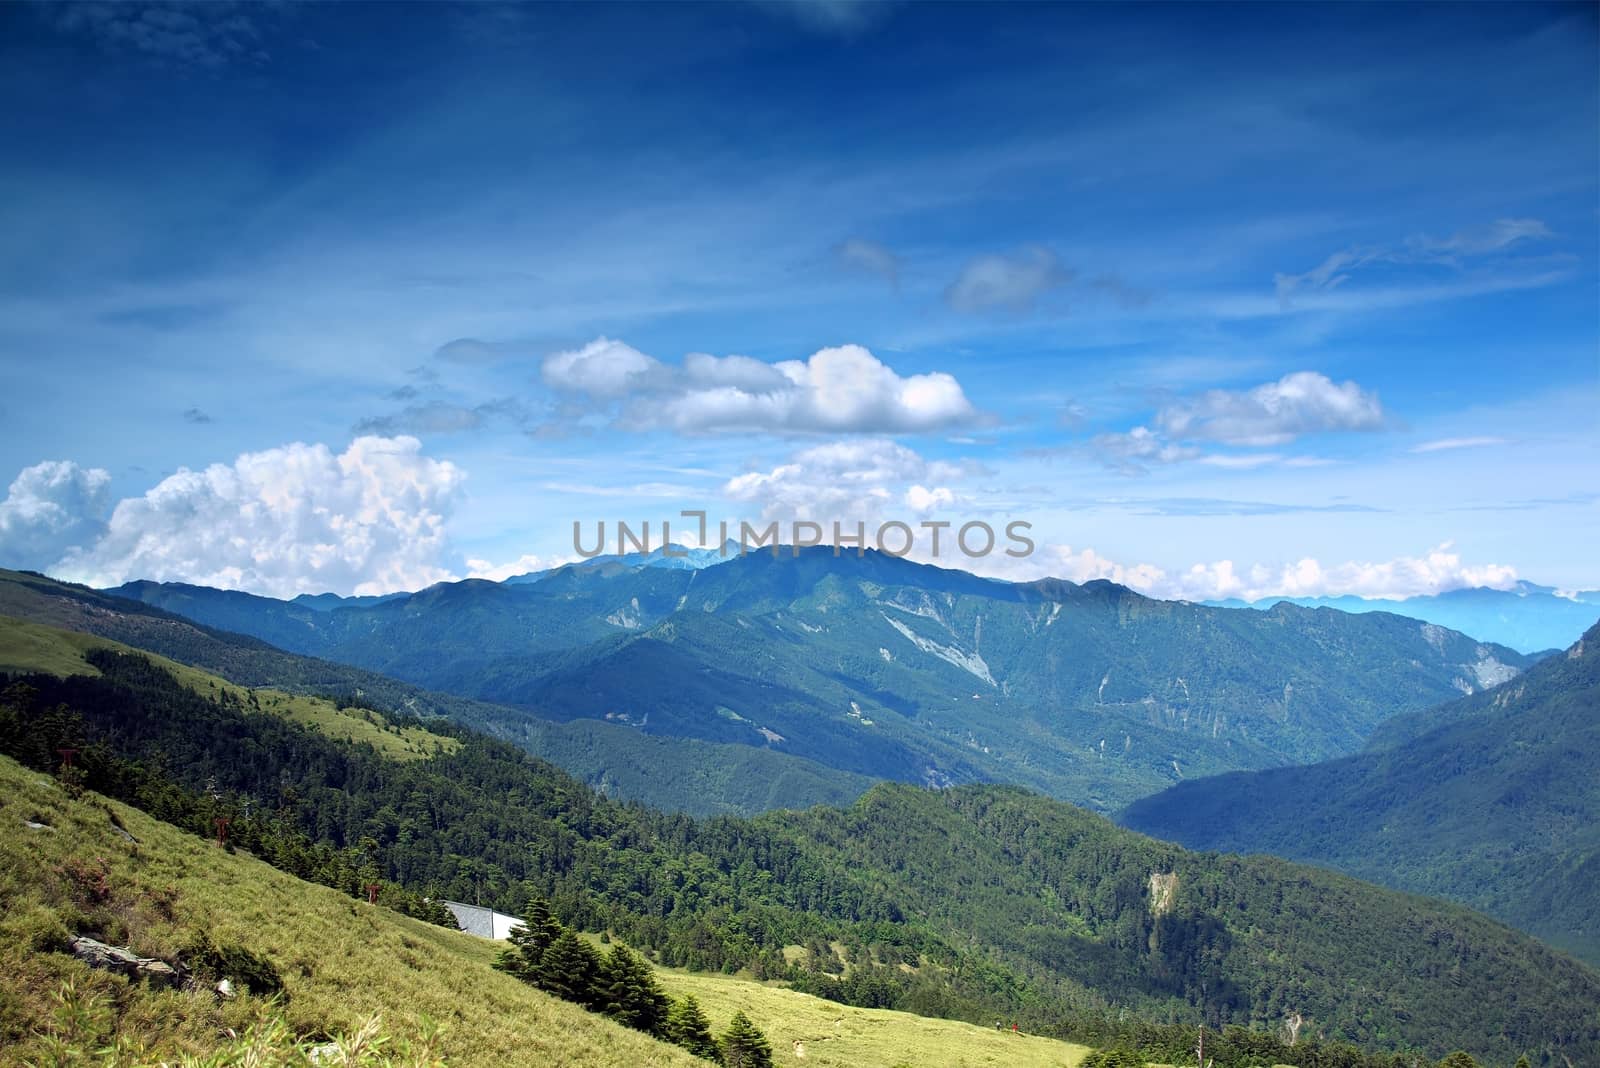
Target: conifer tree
<point x="529" y="939"/>
<point x="743" y="1046"/>
<point x="568" y="969"/>
<point x="627" y="991"/>
<point x="1459" y="1059"/>
<point x="688" y="1027"/>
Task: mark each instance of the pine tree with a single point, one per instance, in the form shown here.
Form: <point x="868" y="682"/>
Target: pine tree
<point x="626" y="991"/>
<point x="743" y="1046"/>
<point x="568" y="969"/>
<point x="529" y="939"/>
<point x="1522" y="1062"/>
<point x="688" y="1027"/>
<point x="1459" y="1059"/>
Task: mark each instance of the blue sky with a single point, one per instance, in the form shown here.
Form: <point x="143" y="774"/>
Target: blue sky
<point x="1248" y="300"/>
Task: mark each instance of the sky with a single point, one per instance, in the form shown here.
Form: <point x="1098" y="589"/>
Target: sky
<point x="1223" y="301"/>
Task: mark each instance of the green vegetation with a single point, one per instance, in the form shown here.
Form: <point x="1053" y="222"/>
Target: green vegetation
<point x="362" y="985"/>
<point x="621" y="985"/>
<point x="685" y="775"/>
<point x="1492" y="800"/>
<point x="978" y="903"/>
<point x="341" y="962"/>
<point x="27" y="647"/>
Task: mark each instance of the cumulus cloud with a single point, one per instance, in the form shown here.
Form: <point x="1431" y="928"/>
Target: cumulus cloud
<point x="861" y="254"/>
<point x="1130" y="452"/>
<point x="845" y="389"/>
<point x="295" y="519"/>
<point x="849" y="482"/>
<point x="1438" y="570"/>
<point x="1421" y="250"/>
<point x="51" y="508"/>
<point x="602" y="368"/>
<point x="1012" y="282"/>
<point x="1274" y="413"/>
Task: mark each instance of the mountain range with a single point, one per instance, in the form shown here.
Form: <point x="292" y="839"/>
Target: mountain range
<point x="1492" y="800"/>
<point x="877" y="666"/>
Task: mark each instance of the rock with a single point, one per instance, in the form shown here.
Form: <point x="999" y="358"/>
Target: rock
<point x="224" y="990"/>
<point x="32" y="826"/>
<point x="124" y="962"/>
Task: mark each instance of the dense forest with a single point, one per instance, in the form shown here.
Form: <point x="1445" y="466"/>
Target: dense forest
<point x="975" y="903"/>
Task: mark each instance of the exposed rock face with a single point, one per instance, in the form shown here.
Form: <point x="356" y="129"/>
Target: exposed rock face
<point x="125" y="962"/>
<point x="1163" y="888"/>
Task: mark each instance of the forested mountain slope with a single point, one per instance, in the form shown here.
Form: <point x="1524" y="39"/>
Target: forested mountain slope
<point x="976" y="903"/>
<point x="685" y="774"/>
<point x="1492" y="800"/>
<point x="891" y="669"/>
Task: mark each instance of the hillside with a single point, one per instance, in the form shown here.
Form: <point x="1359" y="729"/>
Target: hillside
<point x="884" y="668"/>
<point x="339" y="960"/>
<point x="978" y="903"/>
<point x="699" y="777"/>
<point x="342" y="961"/>
<point x="1492" y="800"/>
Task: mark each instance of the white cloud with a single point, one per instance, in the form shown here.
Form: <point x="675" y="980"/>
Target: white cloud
<point x="845" y="389"/>
<point x="602" y="368"/>
<point x="1013" y="283"/>
<point x="289" y="520"/>
<point x="865" y="255"/>
<point x="849" y="482"/>
<point x="52" y="507"/>
<point x="922" y="500"/>
<point x="1445" y="444"/>
<point x="1274" y="413"/>
<point x="1438" y="570"/>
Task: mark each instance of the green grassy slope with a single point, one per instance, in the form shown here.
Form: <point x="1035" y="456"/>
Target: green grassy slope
<point x="27" y="647"/>
<point x="680" y="774"/>
<point x="340" y="960"/>
<point x="1492" y="800"/>
<point x="343" y="960"/>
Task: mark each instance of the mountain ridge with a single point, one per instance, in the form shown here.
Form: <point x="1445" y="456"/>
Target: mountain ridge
<point x="1490" y="800"/>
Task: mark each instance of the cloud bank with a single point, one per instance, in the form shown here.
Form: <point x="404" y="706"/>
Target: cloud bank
<point x="51" y="508"/>
<point x="290" y="520"/>
<point x="1438" y="570"/>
